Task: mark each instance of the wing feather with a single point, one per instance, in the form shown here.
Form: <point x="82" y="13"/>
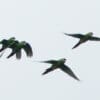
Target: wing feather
<point x="50" y="61"/>
<point x="28" y="49"/>
<point x="94" y="38"/>
<point x="18" y="54"/>
<point x="67" y="70"/>
<point x="75" y="35"/>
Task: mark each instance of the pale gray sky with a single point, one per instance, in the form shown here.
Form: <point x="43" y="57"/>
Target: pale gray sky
<point x="42" y="23"/>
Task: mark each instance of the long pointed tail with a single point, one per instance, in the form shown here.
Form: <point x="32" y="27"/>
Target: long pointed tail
<point x="76" y="45"/>
<point x="10" y="55"/>
<point x="47" y="71"/>
<point x="3" y="48"/>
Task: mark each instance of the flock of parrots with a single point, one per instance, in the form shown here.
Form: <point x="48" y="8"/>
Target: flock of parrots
<point x="16" y="47"/>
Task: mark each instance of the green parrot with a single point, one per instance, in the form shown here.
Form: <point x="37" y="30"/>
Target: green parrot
<point x="83" y="38"/>
<point x="59" y="64"/>
<point x="16" y="49"/>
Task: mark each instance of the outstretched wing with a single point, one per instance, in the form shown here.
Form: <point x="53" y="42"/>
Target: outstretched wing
<point x="67" y="70"/>
<point x="94" y="38"/>
<point x="50" y="61"/>
<point x="28" y="50"/>
<point x="75" y="35"/>
<point x="18" y="54"/>
<point x="76" y="45"/>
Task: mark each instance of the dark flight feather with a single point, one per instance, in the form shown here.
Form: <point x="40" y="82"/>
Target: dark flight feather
<point x="67" y="70"/>
<point x="75" y="35"/>
<point x="94" y="39"/>
<point x="28" y="49"/>
<point x="50" y="61"/>
<point x="47" y="71"/>
<point x="76" y="45"/>
<point x="18" y="54"/>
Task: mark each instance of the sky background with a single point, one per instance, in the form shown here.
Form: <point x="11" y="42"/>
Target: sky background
<point x="42" y="24"/>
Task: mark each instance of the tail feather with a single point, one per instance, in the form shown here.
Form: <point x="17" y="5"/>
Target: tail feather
<point x="2" y="54"/>
<point x="76" y="45"/>
<point x="10" y="55"/>
<point x="3" y="48"/>
<point x="47" y="71"/>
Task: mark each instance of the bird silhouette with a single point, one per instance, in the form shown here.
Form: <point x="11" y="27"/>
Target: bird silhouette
<point x="83" y="38"/>
<point x="59" y="64"/>
<point x="16" y="49"/>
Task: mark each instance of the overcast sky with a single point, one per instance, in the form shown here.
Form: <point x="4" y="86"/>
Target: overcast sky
<point x="42" y="23"/>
